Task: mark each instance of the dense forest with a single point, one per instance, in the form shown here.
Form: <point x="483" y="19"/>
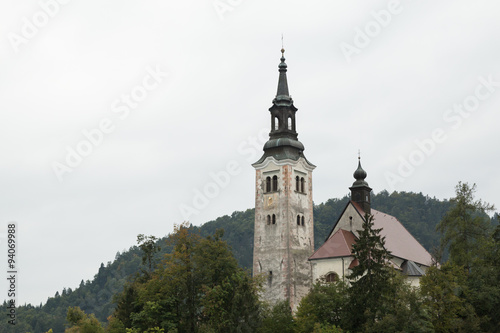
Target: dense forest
<point x="420" y="214"/>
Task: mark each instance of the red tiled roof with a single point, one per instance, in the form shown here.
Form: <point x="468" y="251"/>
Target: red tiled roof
<point x="339" y="245"/>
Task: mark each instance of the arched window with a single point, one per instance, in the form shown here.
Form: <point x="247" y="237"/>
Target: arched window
<point x="268" y="219"/>
<point x="275" y="183"/>
<point x="289" y="123"/>
<point x="298" y="219"/>
<point x="268" y="184"/>
<point x="303" y="220"/>
<point x="276" y="123"/>
<point x="297" y="183"/>
<point x="274" y="219"/>
<point x="331" y="277"/>
<point x="302" y="185"/>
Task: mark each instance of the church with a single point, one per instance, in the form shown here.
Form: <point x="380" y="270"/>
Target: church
<point x="284" y="225"/>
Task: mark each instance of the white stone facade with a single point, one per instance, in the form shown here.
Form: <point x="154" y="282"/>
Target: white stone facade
<point x="284" y="229"/>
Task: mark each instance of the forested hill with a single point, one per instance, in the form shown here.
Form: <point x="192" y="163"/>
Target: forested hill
<point x="418" y="213"/>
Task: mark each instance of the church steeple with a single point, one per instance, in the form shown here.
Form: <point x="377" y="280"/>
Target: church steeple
<point x="284" y="225"/>
<point x="283" y="140"/>
<point x="282" y="82"/>
<point x="360" y="191"/>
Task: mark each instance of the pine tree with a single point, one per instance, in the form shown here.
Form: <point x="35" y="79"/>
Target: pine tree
<point x="371" y="289"/>
<point x="465" y="227"/>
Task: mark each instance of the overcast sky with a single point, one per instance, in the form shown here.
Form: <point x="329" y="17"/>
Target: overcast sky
<point x="125" y="117"/>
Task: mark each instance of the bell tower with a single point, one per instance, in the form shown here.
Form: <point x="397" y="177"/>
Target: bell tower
<point x="284" y="228"/>
<point x="360" y="191"/>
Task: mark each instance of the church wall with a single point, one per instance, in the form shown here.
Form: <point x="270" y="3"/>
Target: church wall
<point x="322" y="267"/>
<point x="347" y="224"/>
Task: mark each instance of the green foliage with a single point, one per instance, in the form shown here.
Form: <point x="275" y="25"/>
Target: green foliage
<point x="323" y="305"/>
<point x="483" y="283"/>
<point x="81" y="322"/>
<point x="474" y="248"/>
<point x="404" y="310"/>
<point x="199" y="287"/>
<point x="149" y="246"/>
<point x="325" y="328"/>
<point x="277" y="318"/>
<point x="231" y="306"/>
<point x="444" y="290"/>
<point x="465" y="227"/>
<point x="371" y="288"/>
<point x="418" y="213"/>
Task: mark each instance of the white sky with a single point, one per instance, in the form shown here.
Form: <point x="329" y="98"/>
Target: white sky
<point x="70" y="74"/>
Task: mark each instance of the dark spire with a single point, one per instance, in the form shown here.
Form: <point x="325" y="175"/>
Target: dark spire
<point x="360" y="191"/>
<point x="360" y="175"/>
<point x="282" y="82"/>
<point x="283" y="140"/>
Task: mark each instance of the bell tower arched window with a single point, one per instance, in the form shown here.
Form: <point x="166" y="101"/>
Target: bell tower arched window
<point x="275" y="183"/>
<point x="302" y="185"/>
<point x="298" y="219"/>
<point x="274" y="219"/>
<point x="268" y="184"/>
<point x="290" y="123"/>
<point x="297" y="184"/>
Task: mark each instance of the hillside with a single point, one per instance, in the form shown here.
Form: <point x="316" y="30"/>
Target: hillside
<point x="418" y="213"/>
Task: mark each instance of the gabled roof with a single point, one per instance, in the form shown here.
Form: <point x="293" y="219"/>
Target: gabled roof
<point x="358" y="209"/>
<point x="339" y="245"/>
<point x="398" y="240"/>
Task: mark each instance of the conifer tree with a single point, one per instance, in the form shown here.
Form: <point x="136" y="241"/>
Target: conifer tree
<point x="465" y="227"/>
<point x="370" y="280"/>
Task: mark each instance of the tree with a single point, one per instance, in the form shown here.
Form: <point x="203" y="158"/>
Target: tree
<point x="81" y="322"/>
<point x="149" y="247"/>
<point x="277" y="318"/>
<point x="465" y="227"/>
<point x="199" y="285"/>
<point x="445" y="290"/>
<point x="483" y="283"/>
<point x="371" y="288"/>
<point x="232" y="305"/>
<point x="474" y="247"/>
<point x="322" y="305"/>
<point x="405" y="311"/>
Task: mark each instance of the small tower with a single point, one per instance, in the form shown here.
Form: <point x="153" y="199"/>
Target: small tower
<point x="360" y="191"/>
<point x="284" y="235"/>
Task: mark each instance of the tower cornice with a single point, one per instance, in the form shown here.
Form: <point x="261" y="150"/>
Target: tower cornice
<point x="270" y="159"/>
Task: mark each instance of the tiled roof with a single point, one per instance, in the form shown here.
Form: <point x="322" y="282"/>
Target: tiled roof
<point x="339" y="245"/>
<point x="398" y="240"/>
